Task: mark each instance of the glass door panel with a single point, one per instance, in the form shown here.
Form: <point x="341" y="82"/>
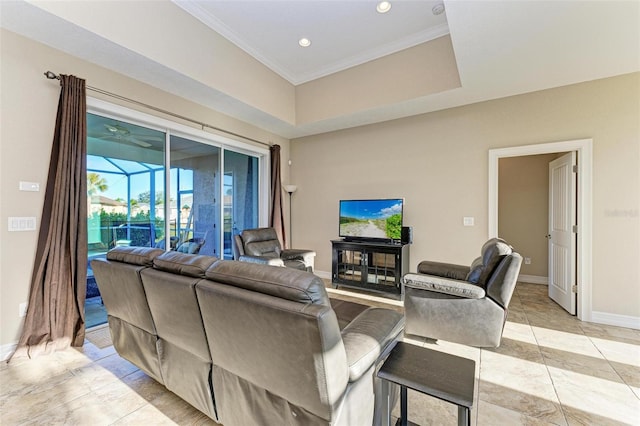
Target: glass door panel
<point x="123" y="162"/>
<point x="194" y="209"/>
<point x="124" y="167"/>
<point x="241" y="198"/>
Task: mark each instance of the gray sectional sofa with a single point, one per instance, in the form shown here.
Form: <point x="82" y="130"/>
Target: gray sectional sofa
<point x="244" y="343"/>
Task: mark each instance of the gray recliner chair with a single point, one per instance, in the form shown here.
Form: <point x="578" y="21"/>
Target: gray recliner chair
<point x="261" y="245"/>
<point x="463" y="304"/>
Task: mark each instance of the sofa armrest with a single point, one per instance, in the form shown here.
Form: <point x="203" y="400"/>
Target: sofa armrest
<point x="446" y="270"/>
<point x="368" y="337"/>
<point x="444" y="285"/>
<point x="273" y="261"/>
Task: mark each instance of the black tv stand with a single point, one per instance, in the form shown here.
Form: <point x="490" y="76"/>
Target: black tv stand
<point x="371" y="265"/>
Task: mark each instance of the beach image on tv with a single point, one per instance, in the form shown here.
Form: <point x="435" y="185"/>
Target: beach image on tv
<point x="371" y="218"/>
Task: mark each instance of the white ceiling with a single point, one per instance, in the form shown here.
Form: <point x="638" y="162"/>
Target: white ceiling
<point x="502" y="47"/>
<point x="343" y="33"/>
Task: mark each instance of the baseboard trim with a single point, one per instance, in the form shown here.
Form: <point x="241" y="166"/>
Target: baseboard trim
<point x="533" y="279"/>
<point x="606" y="318"/>
<point x="323" y="274"/>
<point x="7" y="350"/>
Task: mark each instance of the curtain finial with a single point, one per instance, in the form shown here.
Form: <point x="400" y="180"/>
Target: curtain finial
<point x="51" y="76"/>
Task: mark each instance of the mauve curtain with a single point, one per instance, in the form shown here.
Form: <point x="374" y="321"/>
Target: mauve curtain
<point x="55" y="316"/>
<point x="276" y="215"/>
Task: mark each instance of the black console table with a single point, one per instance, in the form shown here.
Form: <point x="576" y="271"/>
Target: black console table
<point x="372" y="266"/>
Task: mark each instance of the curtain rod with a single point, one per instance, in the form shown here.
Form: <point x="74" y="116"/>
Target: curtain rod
<point x="52" y="76"/>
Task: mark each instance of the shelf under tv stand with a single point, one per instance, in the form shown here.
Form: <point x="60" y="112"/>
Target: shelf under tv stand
<point x="370" y="265"/>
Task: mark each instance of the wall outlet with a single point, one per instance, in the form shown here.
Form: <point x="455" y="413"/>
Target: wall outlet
<point x="468" y="221"/>
<point x="22" y="309"/>
<point x="527" y="261"/>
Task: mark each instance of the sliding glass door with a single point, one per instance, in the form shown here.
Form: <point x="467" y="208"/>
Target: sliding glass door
<point x="155" y="186"/>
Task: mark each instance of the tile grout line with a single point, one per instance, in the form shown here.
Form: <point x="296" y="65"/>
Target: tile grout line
<point x="610" y="365"/>
<point x="546" y="366"/>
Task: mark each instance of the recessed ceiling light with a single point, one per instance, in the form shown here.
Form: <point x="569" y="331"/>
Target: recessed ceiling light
<point x="438" y="9"/>
<point x="304" y="42"/>
<point x="383" y="7"/>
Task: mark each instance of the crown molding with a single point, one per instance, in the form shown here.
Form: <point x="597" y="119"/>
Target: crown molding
<point x="201" y="14"/>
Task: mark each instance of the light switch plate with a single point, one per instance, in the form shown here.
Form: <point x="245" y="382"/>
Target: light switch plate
<point x="468" y="221"/>
<point x="29" y="186"/>
<point x="22" y="224"/>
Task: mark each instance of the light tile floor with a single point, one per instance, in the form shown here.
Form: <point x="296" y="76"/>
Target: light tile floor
<point x="550" y="369"/>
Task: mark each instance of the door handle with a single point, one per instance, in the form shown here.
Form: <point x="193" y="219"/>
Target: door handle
<point x="548" y="236"/>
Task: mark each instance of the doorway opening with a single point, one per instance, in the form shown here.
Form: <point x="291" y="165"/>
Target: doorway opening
<point x="583" y="147"/>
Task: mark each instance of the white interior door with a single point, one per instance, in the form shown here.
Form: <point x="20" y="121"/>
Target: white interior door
<point x="562" y="239"/>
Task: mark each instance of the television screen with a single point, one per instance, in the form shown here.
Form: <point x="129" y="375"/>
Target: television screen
<point x="371" y="219"/>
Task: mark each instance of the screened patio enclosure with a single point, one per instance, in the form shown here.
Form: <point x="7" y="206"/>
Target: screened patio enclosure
<point x="128" y="220"/>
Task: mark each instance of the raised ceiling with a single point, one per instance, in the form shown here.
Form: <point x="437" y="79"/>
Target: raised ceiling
<point x="343" y="34"/>
<point x="501" y="47"/>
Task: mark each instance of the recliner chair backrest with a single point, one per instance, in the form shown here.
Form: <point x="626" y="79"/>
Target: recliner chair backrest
<point x="261" y="242"/>
<point x="502" y="282"/>
<point x="491" y="254"/>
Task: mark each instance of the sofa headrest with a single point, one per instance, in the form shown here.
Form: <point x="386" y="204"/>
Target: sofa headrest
<point x="286" y="283"/>
<point x="492" y="252"/>
<point x="134" y="255"/>
<point x="259" y="234"/>
<point x="191" y="265"/>
<point x="494" y="244"/>
<point x="261" y="242"/>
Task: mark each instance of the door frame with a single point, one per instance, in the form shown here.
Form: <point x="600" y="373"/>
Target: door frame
<point x="584" y="148"/>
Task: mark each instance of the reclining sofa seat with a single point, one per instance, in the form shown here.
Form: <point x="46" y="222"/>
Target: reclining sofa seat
<point x="184" y="356"/>
<point x="132" y="328"/>
<point x="280" y="357"/>
<point x="249" y="343"/>
<point x="463" y="304"/>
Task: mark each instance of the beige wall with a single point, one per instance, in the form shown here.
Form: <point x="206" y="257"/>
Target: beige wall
<point x="411" y="73"/>
<point x="28" y="103"/>
<point x="523" y="204"/>
<point x="439" y="163"/>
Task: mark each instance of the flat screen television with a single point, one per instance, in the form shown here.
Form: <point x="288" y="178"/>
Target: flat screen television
<point x="371" y="219"/>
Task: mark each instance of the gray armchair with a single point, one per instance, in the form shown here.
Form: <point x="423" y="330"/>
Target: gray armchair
<point x="463" y="304"/>
<point x="261" y="245"/>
